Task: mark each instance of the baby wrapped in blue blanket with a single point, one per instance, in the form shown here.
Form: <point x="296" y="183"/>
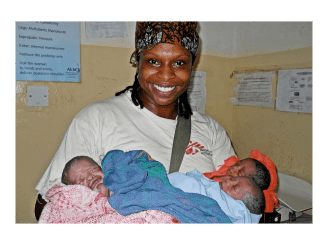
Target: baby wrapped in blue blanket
<point x="141" y="183"/>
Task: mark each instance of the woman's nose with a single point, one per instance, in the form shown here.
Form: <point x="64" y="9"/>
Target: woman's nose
<point x="166" y="72"/>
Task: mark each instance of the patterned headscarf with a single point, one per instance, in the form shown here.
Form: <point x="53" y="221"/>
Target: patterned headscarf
<point x="148" y="34"/>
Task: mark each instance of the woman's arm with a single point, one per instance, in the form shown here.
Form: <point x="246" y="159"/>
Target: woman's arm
<point x="39" y="205"/>
<point x="82" y="138"/>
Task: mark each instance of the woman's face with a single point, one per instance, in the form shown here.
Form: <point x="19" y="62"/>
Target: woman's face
<point x="164" y="74"/>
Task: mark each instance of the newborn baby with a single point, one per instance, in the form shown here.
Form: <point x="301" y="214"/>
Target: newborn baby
<point x="244" y="189"/>
<point x="248" y="167"/>
<point x="83" y="170"/>
<point x="238" y="188"/>
<point x="240" y="198"/>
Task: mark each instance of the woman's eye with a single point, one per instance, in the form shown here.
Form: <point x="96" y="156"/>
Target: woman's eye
<point x="154" y="62"/>
<point x="179" y="63"/>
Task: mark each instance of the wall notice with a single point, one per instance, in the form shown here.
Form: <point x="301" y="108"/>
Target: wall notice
<point x="197" y="91"/>
<point x="294" y="90"/>
<point x="254" y="89"/>
<point x="48" y="51"/>
<point x="105" y="29"/>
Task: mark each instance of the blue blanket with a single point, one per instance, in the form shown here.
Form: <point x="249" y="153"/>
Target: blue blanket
<point x="140" y="183"/>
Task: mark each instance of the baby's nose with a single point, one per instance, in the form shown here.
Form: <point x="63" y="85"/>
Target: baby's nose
<point x="235" y="170"/>
<point x="232" y="182"/>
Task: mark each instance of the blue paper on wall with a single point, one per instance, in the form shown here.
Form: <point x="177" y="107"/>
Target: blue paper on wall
<point x="48" y="51"/>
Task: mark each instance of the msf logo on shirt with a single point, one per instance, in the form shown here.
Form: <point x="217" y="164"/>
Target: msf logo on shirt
<point x="193" y="148"/>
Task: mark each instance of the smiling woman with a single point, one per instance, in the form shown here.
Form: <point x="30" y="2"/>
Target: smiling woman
<point x="145" y="118"/>
<point x="165" y="53"/>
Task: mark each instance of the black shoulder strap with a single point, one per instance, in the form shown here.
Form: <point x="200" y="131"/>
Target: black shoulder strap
<point x="181" y="139"/>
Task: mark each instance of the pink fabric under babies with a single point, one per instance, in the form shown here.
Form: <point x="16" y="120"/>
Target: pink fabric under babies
<point x="75" y="204"/>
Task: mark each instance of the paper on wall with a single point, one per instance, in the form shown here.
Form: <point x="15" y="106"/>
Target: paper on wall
<point x="254" y="89"/>
<point x="105" y="29"/>
<point x="294" y="90"/>
<point x="197" y="92"/>
<point x="48" y="51"/>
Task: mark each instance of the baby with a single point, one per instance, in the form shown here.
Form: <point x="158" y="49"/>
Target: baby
<point x="244" y="189"/>
<point x="83" y="170"/>
<point x="248" y="167"/>
<point x="238" y="188"/>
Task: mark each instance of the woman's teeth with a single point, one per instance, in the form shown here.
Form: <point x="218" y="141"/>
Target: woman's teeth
<point x="164" y="89"/>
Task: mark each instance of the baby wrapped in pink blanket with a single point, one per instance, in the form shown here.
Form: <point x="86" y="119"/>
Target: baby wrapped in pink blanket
<point x="78" y="204"/>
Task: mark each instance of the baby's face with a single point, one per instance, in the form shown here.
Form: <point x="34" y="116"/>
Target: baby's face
<point x="245" y="168"/>
<point x="83" y="172"/>
<point x="237" y="187"/>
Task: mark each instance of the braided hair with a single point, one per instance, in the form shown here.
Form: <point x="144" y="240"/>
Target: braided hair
<point x="135" y="97"/>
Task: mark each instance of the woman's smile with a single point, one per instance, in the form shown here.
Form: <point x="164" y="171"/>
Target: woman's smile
<point x="164" y="89"/>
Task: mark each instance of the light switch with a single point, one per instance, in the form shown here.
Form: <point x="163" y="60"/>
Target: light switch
<point x="37" y="96"/>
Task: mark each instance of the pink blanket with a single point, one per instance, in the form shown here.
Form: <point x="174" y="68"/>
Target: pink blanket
<point x="78" y="204"/>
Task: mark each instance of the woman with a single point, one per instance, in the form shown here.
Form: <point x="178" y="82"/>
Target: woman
<point x="145" y="118"/>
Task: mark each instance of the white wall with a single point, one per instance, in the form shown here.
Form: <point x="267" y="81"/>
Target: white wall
<point x="125" y="42"/>
<point x="232" y="39"/>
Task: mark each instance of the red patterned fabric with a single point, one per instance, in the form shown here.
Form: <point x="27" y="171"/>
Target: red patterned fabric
<point x="223" y="169"/>
<point x="182" y="33"/>
<point x="270" y="195"/>
<point x="76" y="204"/>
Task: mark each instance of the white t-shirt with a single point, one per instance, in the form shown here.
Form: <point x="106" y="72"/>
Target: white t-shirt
<point x="117" y="124"/>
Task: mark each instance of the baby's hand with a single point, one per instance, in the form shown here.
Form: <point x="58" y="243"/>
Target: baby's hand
<point x="103" y="190"/>
<point x="217" y="178"/>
